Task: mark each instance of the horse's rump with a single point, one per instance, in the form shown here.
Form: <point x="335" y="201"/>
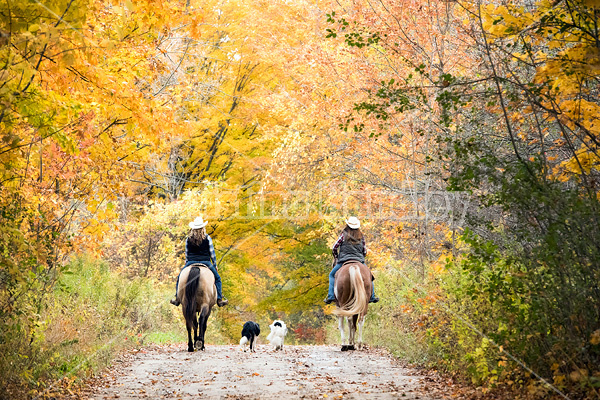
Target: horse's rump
<point x="199" y="280"/>
<point x="353" y="289"/>
<point x="198" y="294"/>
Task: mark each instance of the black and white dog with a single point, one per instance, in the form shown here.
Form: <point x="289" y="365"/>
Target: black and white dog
<point x="249" y="332"/>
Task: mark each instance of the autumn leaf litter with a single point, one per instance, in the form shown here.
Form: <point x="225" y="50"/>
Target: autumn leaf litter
<point x="306" y="372"/>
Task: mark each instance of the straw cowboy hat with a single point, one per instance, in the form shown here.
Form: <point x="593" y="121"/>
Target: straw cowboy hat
<point x="198" y="223"/>
<point x="353" y="222"/>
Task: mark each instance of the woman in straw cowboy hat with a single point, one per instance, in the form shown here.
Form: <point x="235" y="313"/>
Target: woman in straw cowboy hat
<point x="351" y="247"/>
<point x="199" y="249"/>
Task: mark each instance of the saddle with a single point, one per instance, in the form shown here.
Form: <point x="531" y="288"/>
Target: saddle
<point x="198" y="264"/>
<point x="350" y="262"/>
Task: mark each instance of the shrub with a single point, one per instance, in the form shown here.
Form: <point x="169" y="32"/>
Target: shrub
<point x="91" y="314"/>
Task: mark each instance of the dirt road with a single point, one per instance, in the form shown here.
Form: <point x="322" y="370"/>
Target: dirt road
<point x="226" y="372"/>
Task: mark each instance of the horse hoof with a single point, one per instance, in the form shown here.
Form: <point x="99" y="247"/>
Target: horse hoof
<point x="191" y="349"/>
<point x="351" y="347"/>
<point x="344" y="348"/>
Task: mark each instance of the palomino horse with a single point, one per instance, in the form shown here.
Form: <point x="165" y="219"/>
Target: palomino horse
<point x="352" y="292"/>
<point x="198" y="295"/>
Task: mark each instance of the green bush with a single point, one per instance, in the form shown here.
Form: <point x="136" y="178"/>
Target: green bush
<point x="91" y="314"/>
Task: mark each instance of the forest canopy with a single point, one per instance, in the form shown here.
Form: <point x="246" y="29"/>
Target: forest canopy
<point x="464" y="136"/>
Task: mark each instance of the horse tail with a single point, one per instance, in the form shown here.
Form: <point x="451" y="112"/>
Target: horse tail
<point x="358" y="303"/>
<point x="191" y="287"/>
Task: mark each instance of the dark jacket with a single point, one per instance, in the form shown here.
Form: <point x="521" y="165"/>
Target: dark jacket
<point x="351" y="251"/>
<point x="198" y="252"/>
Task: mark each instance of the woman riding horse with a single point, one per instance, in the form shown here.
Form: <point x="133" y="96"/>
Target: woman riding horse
<point x="352" y="247"/>
<point x="199" y="249"/>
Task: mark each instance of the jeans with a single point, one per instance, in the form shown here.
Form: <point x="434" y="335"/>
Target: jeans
<point x="330" y="292"/>
<point x="218" y="283"/>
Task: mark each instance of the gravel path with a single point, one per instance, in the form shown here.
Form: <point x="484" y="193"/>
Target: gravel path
<point x="226" y="372"/>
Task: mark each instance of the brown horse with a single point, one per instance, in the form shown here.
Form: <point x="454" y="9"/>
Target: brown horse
<point x="352" y="292"/>
<point x="198" y="295"/>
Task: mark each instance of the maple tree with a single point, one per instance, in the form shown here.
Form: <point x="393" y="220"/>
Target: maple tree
<point x="101" y="101"/>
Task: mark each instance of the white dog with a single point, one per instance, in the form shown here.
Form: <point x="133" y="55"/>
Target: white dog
<point x="278" y="332"/>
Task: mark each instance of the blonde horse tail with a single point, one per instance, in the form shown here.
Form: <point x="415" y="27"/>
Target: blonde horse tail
<point x="359" y="302"/>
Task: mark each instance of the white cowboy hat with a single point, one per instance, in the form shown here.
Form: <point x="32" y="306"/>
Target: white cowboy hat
<point x="198" y="223"/>
<point x="353" y="222"/>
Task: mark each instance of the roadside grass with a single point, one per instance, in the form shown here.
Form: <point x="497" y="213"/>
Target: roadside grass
<point x="392" y="323"/>
<point x="92" y="314"/>
<point x="175" y="336"/>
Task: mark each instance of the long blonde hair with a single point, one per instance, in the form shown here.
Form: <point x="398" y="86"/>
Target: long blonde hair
<point x="197" y="236"/>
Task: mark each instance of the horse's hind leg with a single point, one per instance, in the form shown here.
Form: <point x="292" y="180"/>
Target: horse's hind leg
<point x="352" y="332"/>
<point x="202" y="321"/>
<point x="199" y="341"/>
<point x="196" y="321"/>
<point x="341" y="328"/>
<point x="361" y="322"/>
<point x="189" y="326"/>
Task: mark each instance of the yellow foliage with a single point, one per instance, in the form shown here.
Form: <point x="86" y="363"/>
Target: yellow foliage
<point x="583" y="162"/>
<point x="595" y="337"/>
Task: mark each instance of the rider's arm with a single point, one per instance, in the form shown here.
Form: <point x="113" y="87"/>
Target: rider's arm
<point x="186" y="250"/>
<point x="213" y="256"/>
<point x="338" y="243"/>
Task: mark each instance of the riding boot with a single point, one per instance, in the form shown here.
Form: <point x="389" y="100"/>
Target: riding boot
<point x="174" y="300"/>
<point x="330" y="291"/>
<point x="222" y="302"/>
<point x="373" y="299"/>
